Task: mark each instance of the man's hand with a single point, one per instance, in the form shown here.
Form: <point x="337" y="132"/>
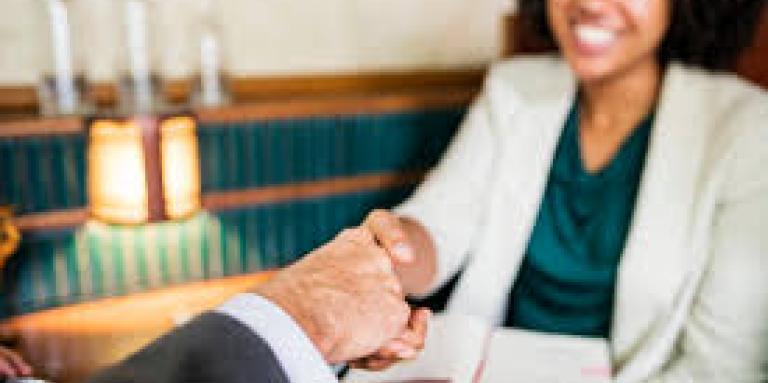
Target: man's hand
<point x="402" y="240"/>
<point x="12" y="365"/>
<point x="406" y="346"/>
<point x="344" y="295"/>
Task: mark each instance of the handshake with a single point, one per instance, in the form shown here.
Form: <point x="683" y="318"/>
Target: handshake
<point x="348" y="298"/>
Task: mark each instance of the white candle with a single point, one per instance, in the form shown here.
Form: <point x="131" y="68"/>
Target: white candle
<point x="210" y="64"/>
<point x="138" y="52"/>
<point x="209" y="69"/>
<point x="64" y="82"/>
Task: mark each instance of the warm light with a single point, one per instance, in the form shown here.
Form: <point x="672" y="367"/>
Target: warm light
<point x="117" y="184"/>
<point x="180" y="161"/>
<point x="143" y="169"/>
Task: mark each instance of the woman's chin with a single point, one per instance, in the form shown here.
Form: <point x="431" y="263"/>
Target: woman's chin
<point x="595" y="69"/>
<point x="591" y="62"/>
<point x="591" y="71"/>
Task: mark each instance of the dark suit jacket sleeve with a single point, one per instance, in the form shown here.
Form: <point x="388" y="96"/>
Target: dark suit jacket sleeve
<point x="212" y="348"/>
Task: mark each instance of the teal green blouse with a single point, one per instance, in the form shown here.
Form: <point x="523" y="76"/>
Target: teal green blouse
<point x="567" y="278"/>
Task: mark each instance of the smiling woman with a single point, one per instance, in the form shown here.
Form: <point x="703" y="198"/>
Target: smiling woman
<point x="613" y="191"/>
<point x="707" y="33"/>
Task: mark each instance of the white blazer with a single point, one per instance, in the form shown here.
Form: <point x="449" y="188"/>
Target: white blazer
<point x="692" y="292"/>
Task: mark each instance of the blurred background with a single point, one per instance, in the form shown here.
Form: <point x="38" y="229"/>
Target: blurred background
<point x="159" y="156"/>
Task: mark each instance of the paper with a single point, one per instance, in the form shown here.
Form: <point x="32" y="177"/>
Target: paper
<point x="463" y="349"/>
<point x="535" y="357"/>
<point x="452" y="352"/>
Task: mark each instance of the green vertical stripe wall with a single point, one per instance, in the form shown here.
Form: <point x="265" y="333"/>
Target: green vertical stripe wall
<point x="251" y="154"/>
<point x="42" y="173"/>
<point x="98" y="260"/>
<point x="46" y="173"/>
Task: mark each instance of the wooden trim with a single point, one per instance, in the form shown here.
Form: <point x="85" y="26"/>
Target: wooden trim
<point x="257" y="88"/>
<point x="22" y="99"/>
<point x="227" y="200"/>
<point x="303" y="108"/>
<point x="153" y="168"/>
<point x="41" y="127"/>
<point x="249" y="89"/>
<point x="274" y="109"/>
<point x="273" y="194"/>
<point x="51" y="220"/>
<point x="18" y="100"/>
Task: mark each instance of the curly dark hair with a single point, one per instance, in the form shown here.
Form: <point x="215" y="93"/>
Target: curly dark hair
<point x="706" y="33"/>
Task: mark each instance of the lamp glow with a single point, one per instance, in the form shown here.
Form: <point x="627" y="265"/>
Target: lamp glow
<point x="180" y="161"/>
<point x="143" y="169"/>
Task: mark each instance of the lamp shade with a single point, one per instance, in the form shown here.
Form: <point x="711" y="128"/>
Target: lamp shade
<point x="143" y="169"/>
<point x="181" y="166"/>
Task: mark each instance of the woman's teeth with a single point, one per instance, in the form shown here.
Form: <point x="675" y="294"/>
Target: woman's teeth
<point x="594" y="36"/>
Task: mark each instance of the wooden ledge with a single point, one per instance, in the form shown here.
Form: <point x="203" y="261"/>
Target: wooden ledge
<point x="235" y="199"/>
<point x="395" y="102"/>
<point x="339" y="106"/>
<point x="19" y="101"/>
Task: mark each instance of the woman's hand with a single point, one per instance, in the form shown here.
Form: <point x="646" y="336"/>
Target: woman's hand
<point x="405" y="347"/>
<point x="391" y="234"/>
<point x="410" y="247"/>
<point x="12" y="365"/>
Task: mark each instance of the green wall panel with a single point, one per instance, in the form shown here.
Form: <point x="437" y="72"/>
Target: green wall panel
<point x="46" y="173"/>
<point x="99" y="260"/>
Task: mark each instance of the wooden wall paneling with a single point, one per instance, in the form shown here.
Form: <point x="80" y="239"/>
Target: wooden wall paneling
<point x="18" y="100"/>
<point x="305" y="107"/>
<point x="22" y="100"/>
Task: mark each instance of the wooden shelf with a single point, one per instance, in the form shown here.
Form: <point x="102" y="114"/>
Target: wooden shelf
<point x="21" y="101"/>
<point x="298" y="107"/>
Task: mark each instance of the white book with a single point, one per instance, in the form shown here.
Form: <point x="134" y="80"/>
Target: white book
<point x="463" y="349"/>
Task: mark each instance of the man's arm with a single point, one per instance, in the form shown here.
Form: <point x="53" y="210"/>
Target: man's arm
<point x="339" y="303"/>
<point x="213" y="347"/>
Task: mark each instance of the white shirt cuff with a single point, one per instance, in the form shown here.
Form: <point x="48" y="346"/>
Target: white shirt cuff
<point x="300" y="359"/>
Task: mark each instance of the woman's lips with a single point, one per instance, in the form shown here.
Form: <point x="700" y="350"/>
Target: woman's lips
<point x="593" y="40"/>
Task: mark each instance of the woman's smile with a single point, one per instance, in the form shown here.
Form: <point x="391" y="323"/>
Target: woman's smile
<point x="592" y="40"/>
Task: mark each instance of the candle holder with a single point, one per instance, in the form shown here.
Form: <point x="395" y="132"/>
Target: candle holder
<point x="210" y="85"/>
<point x="139" y="85"/>
<point x="61" y="89"/>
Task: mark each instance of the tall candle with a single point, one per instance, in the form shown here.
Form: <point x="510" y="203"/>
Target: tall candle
<point x="64" y="80"/>
<point x="138" y="52"/>
<point x="210" y="69"/>
<point x="211" y="92"/>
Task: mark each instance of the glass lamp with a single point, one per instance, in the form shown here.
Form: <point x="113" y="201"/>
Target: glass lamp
<point x="143" y="169"/>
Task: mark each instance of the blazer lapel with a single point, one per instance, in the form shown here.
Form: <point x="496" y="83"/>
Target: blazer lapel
<point x="657" y="257"/>
<point x="530" y="134"/>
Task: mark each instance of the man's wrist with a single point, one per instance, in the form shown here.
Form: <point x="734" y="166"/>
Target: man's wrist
<point x="297" y="354"/>
<point x="291" y="305"/>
